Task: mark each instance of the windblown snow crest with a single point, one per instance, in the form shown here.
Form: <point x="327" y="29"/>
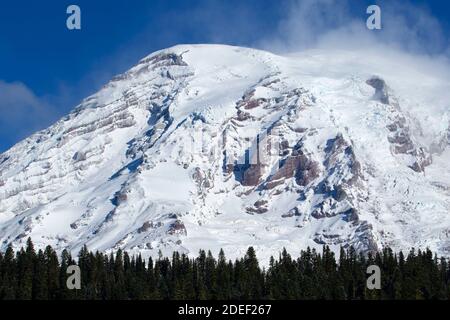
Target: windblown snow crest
<point x="208" y="146"/>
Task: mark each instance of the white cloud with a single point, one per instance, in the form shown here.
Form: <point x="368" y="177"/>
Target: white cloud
<point x="21" y="111"/>
<point x="331" y="23"/>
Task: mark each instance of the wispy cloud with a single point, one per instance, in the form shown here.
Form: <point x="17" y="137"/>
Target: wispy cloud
<point x="22" y="112"/>
<point x="330" y="23"/>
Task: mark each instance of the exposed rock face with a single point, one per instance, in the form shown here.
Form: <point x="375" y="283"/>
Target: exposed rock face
<point x="344" y="174"/>
<point x="258" y="207"/>
<point x="79" y="156"/>
<point x="325" y="209"/>
<point x="203" y="180"/>
<point x="243" y="116"/>
<point x="119" y="198"/>
<point x="145" y="227"/>
<point x="164" y="60"/>
<point x="399" y="131"/>
<point x="381" y="89"/>
<point x="177" y="227"/>
<point x="292" y="213"/>
<point x="402" y="142"/>
<point x="252" y="175"/>
<point x="339" y="149"/>
<point x="297" y="166"/>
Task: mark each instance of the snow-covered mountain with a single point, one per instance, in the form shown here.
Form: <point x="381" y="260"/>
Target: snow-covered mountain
<point x="209" y="146"/>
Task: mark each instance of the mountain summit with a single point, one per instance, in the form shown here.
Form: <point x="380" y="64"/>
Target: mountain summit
<point x="211" y="146"/>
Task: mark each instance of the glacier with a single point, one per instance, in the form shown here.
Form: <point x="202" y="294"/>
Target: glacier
<point x="214" y="146"/>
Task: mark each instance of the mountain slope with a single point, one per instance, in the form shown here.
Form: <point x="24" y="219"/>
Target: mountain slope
<point x="208" y="146"/>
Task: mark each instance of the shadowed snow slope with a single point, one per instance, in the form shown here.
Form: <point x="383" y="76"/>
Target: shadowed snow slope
<point x="209" y="146"/>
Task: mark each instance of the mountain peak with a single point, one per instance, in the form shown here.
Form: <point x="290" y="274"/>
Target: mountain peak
<point x="212" y="146"/>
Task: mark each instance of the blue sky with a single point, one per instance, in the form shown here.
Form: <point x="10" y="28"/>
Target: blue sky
<point x="45" y="69"/>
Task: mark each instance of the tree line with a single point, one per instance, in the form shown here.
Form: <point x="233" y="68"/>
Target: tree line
<point x="41" y="275"/>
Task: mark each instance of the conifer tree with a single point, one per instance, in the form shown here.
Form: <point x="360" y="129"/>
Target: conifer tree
<point x="40" y="280"/>
<point x="313" y="275"/>
<point x="223" y="277"/>
<point x="25" y="267"/>
<point x="8" y="276"/>
<point x="52" y="270"/>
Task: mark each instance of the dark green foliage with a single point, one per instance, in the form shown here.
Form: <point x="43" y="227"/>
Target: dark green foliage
<point x="28" y="274"/>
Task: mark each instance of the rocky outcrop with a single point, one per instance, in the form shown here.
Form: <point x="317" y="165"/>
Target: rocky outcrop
<point x="145" y="227"/>
<point x="399" y="132"/>
<point x="258" y="207"/>
<point x="381" y="89"/>
<point x="402" y="143"/>
<point x="341" y="161"/>
<point x="177" y="228"/>
<point x="331" y="208"/>
<point x="298" y="165"/>
<point x="79" y="156"/>
<point x="292" y="213"/>
<point x="164" y="60"/>
<point x="243" y="116"/>
<point x="119" y="197"/>
<point x="202" y="179"/>
<point x="251" y="176"/>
